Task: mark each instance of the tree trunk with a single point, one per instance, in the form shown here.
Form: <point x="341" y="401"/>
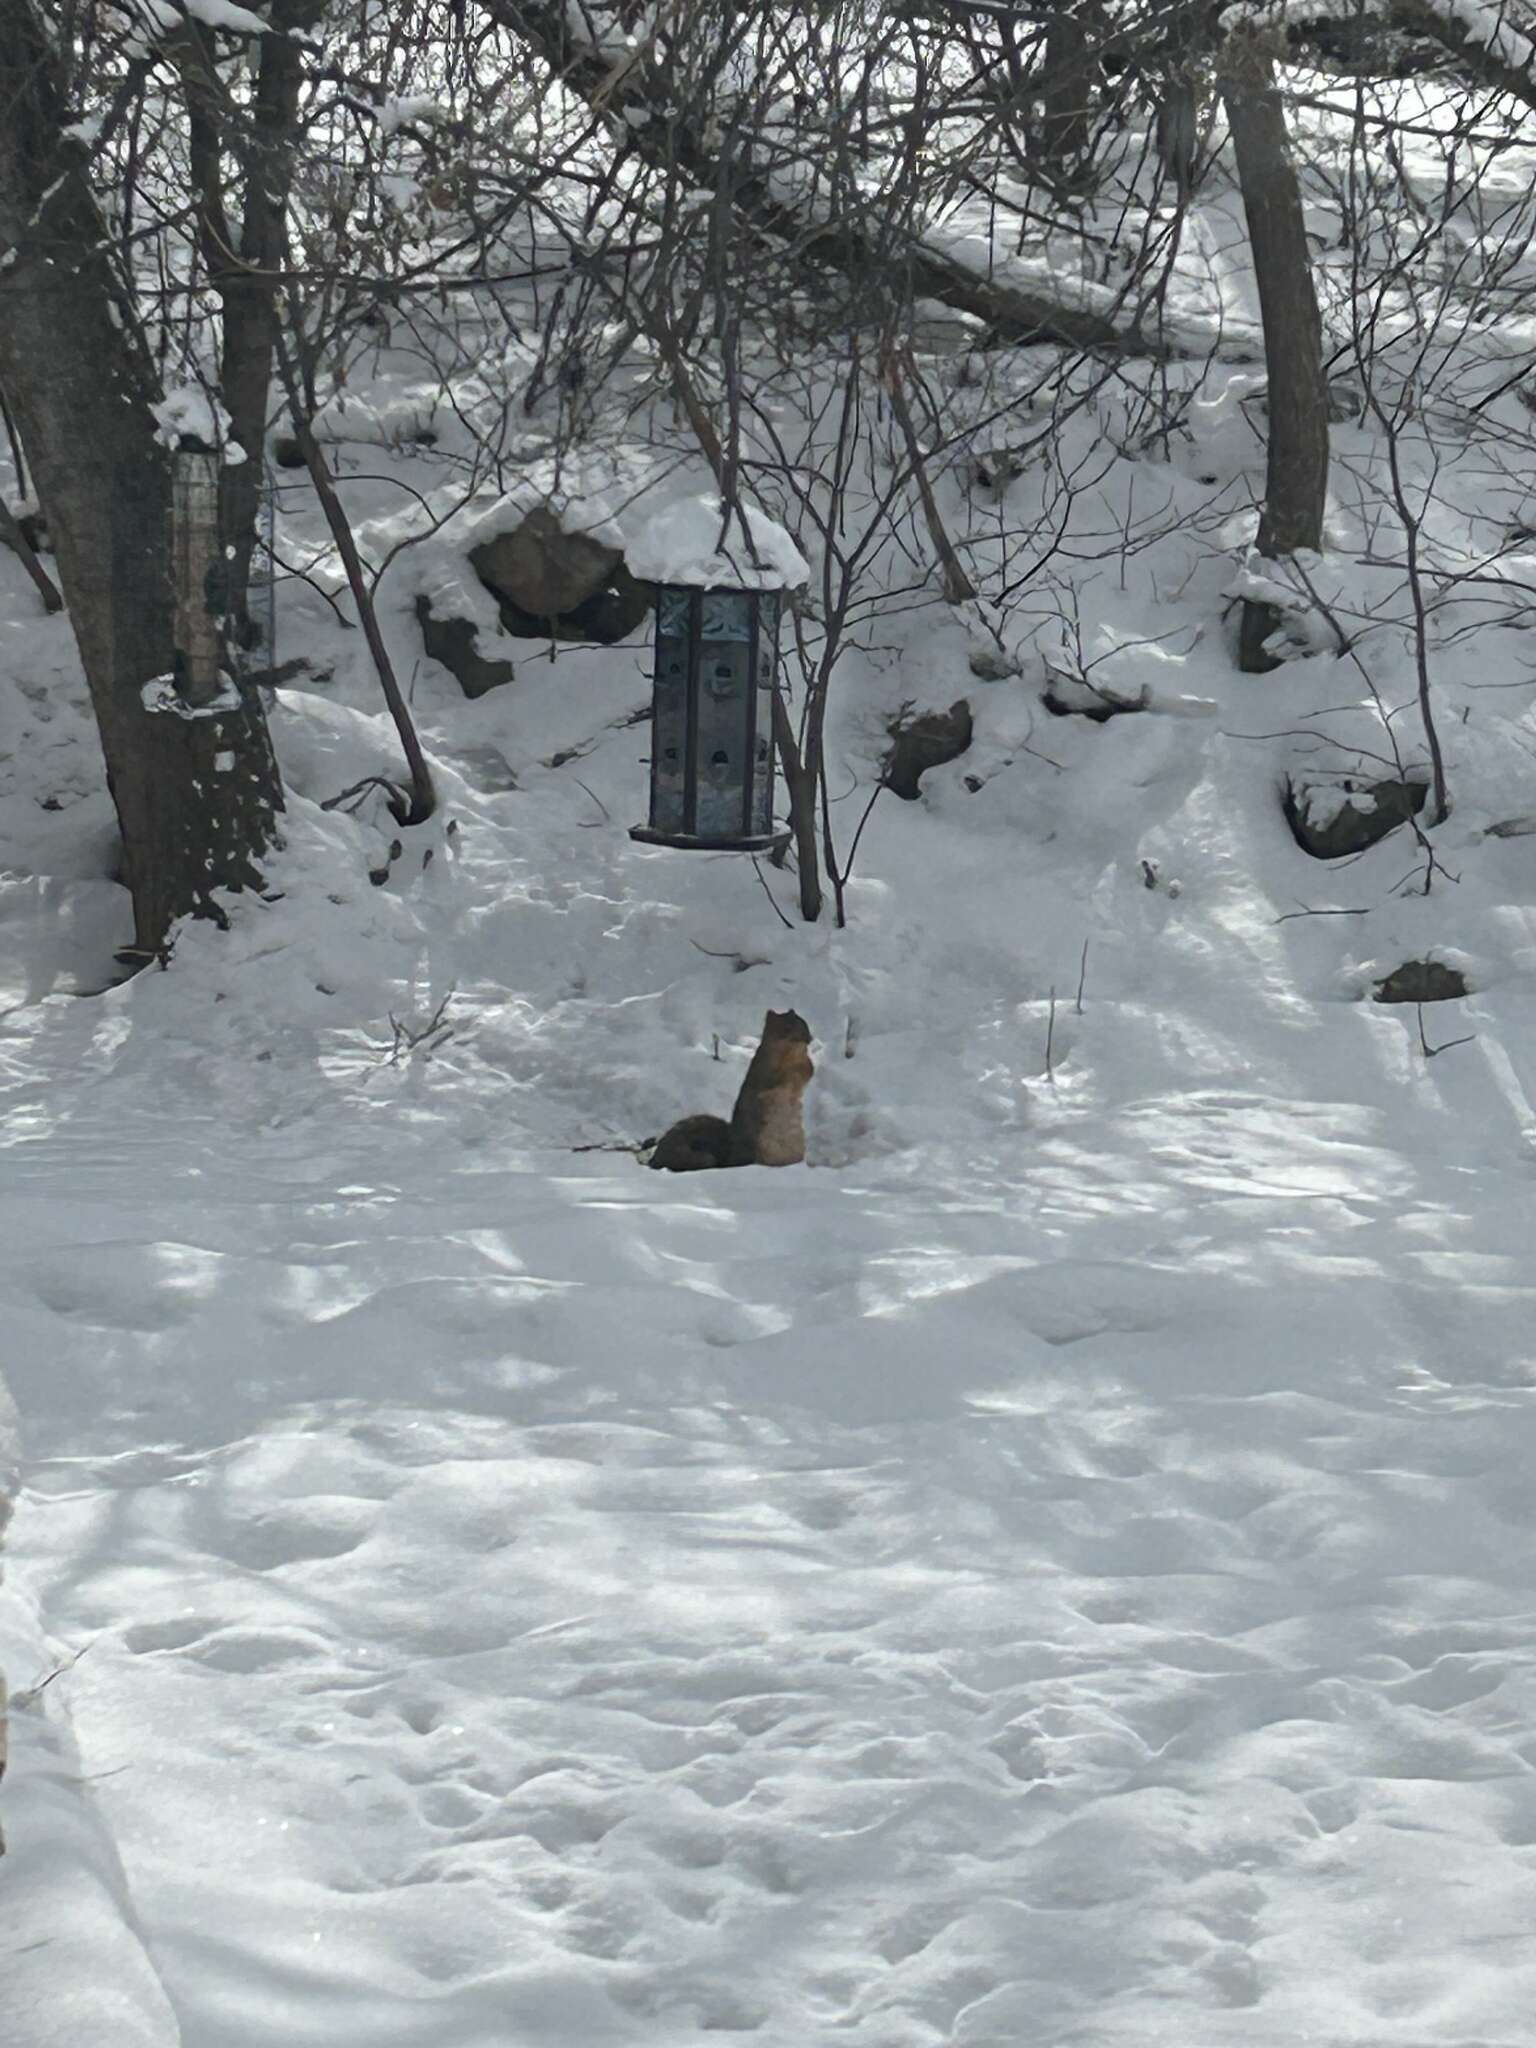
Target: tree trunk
<point x="1066" y="94"/>
<point x="249" y="290"/>
<point x="245" y="270"/>
<point x="196" y="789"/>
<point x="1296" y="484"/>
<point x="800" y="778"/>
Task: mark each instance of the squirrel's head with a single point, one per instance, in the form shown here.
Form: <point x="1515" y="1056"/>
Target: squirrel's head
<point x="788" y="1024"/>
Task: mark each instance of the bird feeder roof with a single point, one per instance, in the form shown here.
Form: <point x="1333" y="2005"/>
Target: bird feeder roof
<point x="683" y="544"/>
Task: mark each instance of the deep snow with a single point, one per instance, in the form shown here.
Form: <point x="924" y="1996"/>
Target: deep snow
<point x="1058" y="1570"/>
<point x="1055" y="1570"/>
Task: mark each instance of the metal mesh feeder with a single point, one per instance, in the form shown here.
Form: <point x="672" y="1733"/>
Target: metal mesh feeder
<point x="712" y="750"/>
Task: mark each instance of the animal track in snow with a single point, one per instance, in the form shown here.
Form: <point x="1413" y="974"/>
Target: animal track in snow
<point x="450" y="1806"/>
<point x="1450" y="1682"/>
<point x="695" y="1850"/>
<point x="144" y="1638"/>
<point x="910" y="1935"/>
<point x="141" y="1288"/>
<point x="770" y="1863"/>
<point x="253" y="1651"/>
<point x="1227" y="1906"/>
<point x="707" y="2008"/>
<point x="697" y="1907"/>
<point x="826" y="1511"/>
<point x="296" y="1533"/>
<point x="1333" y="1807"/>
<point x="1233" y="1975"/>
<point x="223" y="1646"/>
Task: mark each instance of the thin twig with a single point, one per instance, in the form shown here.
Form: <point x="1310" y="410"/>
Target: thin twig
<point x="423" y="799"/>
<point x="393" y="793"/>
<point x="778" y="913"/>
<point x="740" y="962"/>
<point x="1082" y="976"/>
<point x="34" y="1692"/>
<point x="1286" y="916"/>
<point x="608" y="815"/>
<point x="434" y="1033"/>
<point x="1429" y="1050"/>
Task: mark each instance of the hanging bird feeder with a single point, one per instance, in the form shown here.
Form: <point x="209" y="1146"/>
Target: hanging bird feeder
<point x="712" y="719"/>
<point x="717" y="655"/>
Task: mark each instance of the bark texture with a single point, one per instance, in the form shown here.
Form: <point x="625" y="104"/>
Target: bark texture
<point x="255" y="146"/>
<point x="1296" y="481"/>
<point x="195" y="796"/>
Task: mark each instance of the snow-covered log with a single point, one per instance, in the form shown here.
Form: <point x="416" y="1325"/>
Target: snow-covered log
<point x="631" y="79"/>
<point x="1494" y="45"/>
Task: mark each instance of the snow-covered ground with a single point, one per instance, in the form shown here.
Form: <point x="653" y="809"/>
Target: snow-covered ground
<point x="1055" y="1571"/>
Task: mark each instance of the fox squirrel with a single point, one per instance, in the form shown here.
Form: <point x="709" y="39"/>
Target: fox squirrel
<point x="767" y="1126"/>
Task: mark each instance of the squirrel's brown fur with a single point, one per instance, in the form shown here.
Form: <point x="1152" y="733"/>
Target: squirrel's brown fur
<point x="767" y="1126"/>
<point x="692" y="1144"/>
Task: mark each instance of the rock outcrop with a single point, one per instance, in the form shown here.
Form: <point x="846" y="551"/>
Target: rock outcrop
<point x="552" y="584"/>
<point x="1421" y="981"/>
<point x="456" y="644"/>
<point x="1333" y="819"/>
<point x="921" y="740"/>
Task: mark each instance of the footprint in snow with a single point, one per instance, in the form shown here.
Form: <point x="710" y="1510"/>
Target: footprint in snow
<point x="221" y="1647"/>
<point x="144" y="1288"/>
<point x="1333" y="1808"/>
<point x="449" y="1806"/>
<point x="297" y="1533"/>
<point x="909" y="1936"/>
<point x="1450" y="1682"/>
<point x="1233" y="1975"/>
<point x="144" y="1638"/>
<point x="708" y="2009"/>
<point x="253" y="1651"/>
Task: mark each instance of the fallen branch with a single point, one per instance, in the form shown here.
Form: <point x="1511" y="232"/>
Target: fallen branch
<point x="425" y="1038"/>
<point x="637" y="93"/>
<point x="1485" y="43"/>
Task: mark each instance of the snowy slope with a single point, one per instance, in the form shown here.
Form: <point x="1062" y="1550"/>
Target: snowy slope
<point x="1056" y="1569"/>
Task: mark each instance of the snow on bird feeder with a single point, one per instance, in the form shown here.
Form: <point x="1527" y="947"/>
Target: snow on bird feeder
<point x="718" y="607"/>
